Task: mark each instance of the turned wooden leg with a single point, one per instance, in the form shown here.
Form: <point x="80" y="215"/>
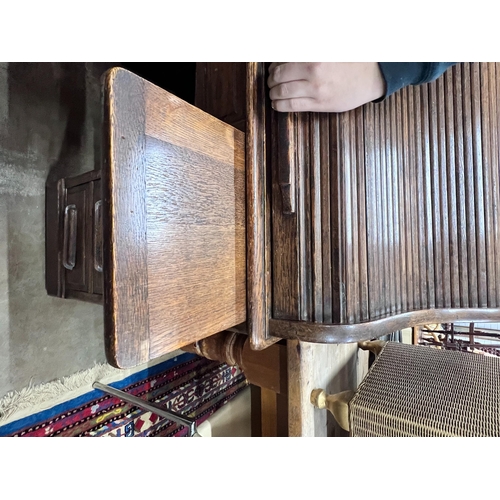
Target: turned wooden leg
<point x="226" y="347"/>
<point x="336" y="404"/>
<point x="265" y="370"/>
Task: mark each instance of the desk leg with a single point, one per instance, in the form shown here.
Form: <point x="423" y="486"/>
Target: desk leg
<point x="269" y="413"/>
<point x="338" y="367"/>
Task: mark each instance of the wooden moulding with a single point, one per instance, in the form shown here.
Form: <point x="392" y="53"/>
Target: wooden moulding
<point x="339" y="334"/>
<point x="125" y="316"/>
<point x="55" y="199"/>
<point x="258" y="212"/>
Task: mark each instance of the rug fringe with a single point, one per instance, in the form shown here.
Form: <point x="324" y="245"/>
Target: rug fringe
<point x="34" y="396"/>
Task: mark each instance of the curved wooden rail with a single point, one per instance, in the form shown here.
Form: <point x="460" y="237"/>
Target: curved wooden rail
<point x="339" y="334"/>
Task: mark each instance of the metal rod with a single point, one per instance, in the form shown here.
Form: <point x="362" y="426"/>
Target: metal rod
<point x="150" y="406"/>
<point x="477" y="333"/>
<point x="475" y="345"/>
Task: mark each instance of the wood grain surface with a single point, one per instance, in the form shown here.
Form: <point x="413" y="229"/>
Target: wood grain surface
<point x="258" y="199"/>
<point x="220" y="91"/>
<point x="174" y="210"/>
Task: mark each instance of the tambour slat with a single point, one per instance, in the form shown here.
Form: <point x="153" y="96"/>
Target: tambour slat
<point x="452" y="189"/>
<point x="316" y="212"/>
<point x="338" y="299"/>
<point x="442" y="193"/>
<point x="369" y="158"/>
<point x="406" y="145"/>
<point x="384" y="215"/>
<point x="461" y="182"/>
<point x="326" y="202"/>
<point x="478" y="185"/>
<point x="376" y="222"/>
<point x="487" y="179"/>
<point x="419" y="244"/>
<point x="401" y="209"/>
<point x="304" y="218"/>
<point x="427" y="200"/>
<point x="494" y="91"/>
<point x="361" y="205"/>
<point x="436" y="194"/>
<point x="353" y="228"/>
<point x="470" y="194"/>
<point x="393" y="181"/>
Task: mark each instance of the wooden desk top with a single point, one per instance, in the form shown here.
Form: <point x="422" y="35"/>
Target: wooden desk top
<point x="174" y="210"/>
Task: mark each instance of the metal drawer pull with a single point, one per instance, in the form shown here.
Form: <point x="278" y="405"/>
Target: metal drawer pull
<point x="98" y="236"/>
<point x="69" y="244"/>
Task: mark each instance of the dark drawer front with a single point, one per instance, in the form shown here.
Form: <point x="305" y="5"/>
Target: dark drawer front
<point x="74" y="239"/>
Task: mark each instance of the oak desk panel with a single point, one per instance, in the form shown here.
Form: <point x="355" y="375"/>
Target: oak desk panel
<point x="174" y="216"/>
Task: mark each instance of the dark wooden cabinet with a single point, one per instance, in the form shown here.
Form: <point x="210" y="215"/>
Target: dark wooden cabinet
<point x="74" y="239"/>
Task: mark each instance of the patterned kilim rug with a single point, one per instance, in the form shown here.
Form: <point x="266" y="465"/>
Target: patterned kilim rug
<point x="187" y="384"/>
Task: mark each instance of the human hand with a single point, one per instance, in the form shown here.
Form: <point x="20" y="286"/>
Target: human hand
<point x="324" y="87"/>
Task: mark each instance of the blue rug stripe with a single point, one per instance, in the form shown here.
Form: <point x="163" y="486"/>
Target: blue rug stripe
<point x="37" y="418"/>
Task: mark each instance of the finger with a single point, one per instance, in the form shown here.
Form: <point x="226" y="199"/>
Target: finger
<point x="289" y="72"/>
<point x="274" y="64"/>
<point x="292" y="90"/>
<point x="271" y="69"/>
<point x="295" y="105"/>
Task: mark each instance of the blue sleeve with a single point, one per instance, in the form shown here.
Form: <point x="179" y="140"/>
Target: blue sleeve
<point x="401" y="74"/>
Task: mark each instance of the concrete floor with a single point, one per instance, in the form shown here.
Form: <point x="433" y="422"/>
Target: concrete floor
<point x="49" y="122"/>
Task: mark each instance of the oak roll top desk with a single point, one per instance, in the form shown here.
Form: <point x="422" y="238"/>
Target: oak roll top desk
<point x="327" y="228"/>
